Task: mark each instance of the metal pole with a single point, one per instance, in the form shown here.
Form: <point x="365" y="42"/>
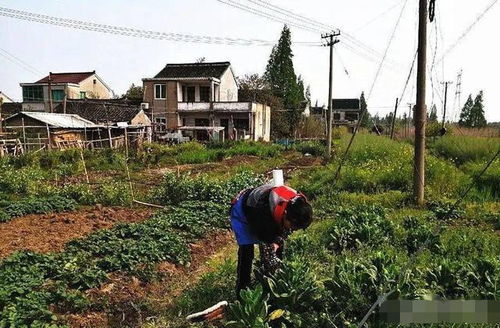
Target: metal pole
<point x="421" y="110"/>
<point x="394" y="118"/>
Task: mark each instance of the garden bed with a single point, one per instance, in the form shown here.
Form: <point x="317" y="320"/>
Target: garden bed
<point x="50" y="232"/>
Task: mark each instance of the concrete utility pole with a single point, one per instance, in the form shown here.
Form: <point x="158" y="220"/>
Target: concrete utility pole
<point x="420" y="110"/>
<point x="394" y="118"/>
<point x="50" y="92"/>
<point x="446" y="83"/>
<point x="331" y="41"/>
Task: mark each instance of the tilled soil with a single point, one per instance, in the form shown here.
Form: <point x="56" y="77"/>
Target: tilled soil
<point x="121" y="300"/>
<point x="50" y="232"/>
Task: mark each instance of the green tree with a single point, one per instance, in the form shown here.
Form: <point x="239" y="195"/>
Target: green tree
<point x="433" y="117"/>
<point x="134" y="93"/>
<point x="477" y="119"/>
<point x="465" y="114"/>
<point x="367" y="120"/>
<point x="281" y="77"/>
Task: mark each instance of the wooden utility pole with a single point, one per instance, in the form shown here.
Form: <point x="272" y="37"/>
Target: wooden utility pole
<point x="446" y="83"/>
<point x="331" y="41"/>
<point x="420" y="116"/>
<point x="50" y="92"/>
<point x="394" y="118"/>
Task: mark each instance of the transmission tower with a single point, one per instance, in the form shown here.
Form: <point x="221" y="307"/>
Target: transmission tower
<point x="458" y="95"/>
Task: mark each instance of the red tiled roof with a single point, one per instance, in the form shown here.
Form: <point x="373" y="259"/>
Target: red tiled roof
<point x="76" y="77"/>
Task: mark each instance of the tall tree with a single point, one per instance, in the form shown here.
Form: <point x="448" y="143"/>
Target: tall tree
<point x="477" y="119"/>
<point x="465" y="114"/>
<point x="281" y="77"/>
<point x="367" y="120"/>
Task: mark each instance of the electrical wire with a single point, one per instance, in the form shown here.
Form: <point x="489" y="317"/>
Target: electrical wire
<point x="21" y="62"/>
<point x="468" y="30"/>
<point x="393" y="34"/>
<point x="308" y="24"/>
<point x="132" y="32"/>
<point x="377" y="17"/>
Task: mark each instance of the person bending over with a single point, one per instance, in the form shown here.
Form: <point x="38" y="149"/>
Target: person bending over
<point x="265" y="215"/>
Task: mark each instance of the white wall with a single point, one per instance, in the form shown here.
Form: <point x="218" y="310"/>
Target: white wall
<point x="228" y="88"/>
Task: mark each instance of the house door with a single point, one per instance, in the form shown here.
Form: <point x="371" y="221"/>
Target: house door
<point x="201" y="135"/>
<point x="224" y="122"/>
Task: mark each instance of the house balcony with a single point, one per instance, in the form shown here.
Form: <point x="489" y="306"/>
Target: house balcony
<point x="215" y="106"/>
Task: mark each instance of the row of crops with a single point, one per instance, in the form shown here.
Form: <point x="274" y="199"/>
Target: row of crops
<point x="35" y="287"/>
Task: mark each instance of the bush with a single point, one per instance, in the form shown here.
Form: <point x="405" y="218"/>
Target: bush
<point x="114" y="194"/>
<point x="314" y="148"/>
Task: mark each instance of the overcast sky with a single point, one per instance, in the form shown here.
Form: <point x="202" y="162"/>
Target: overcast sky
<point x="122" y="60"/>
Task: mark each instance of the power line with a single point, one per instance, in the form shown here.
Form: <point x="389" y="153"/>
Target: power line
<point x="290" y="18"/>
<point x="138" y="33"/>
<point x="22" y="62"/>
<point x="468" y="29"/>
<point x="382" y="14"/>
<point x="387" y="49"/>
<point x="268" y="16"/>
<point x="19" y="64"/>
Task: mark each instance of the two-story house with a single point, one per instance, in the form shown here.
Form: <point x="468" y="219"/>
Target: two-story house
<point x="4" y="98"/>
<point x="201" y="101"/>
<point x="346" y="111"/>
<point x="76" y="85"/>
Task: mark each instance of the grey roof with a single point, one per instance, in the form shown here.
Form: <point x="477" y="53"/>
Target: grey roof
<point x="65" y="121"/>
<point x="194" y="70"/>
<point x="346" y="105"/>
<point x="101" y="111"/>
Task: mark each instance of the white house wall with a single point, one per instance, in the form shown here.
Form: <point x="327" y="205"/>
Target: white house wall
<point x="228" y="89"/>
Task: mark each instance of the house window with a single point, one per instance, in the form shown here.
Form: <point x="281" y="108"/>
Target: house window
<point x="83" y="95"/>
<point x="160" y="124"/>
<point x="160" y="91"/>
<point x="33" y="93"/>
<point x="205" y="94"/>
<point x="58" y="95"/>
<point x="336" y="116"/>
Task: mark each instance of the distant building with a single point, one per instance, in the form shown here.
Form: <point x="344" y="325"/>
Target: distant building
<point x="201" y="101"/>
<point x="74" y="85"/>
<point x="4" y="98"/>
<point x="346" y="112"/>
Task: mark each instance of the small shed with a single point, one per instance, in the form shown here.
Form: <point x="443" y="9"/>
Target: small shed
<point x="50" y="129"/>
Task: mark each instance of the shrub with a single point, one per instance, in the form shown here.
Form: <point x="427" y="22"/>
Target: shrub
<point x="314" y="148"/>
<point x="114" y="194"/>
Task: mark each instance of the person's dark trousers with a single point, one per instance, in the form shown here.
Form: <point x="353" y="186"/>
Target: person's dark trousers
<point x="244" y="270"/>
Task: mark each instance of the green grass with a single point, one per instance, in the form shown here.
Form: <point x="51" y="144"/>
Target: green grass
<point x="463" y="149"/>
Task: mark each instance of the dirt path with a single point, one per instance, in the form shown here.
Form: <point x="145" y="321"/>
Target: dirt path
<point x="50" y="232"/>
<point x="123" y="297"/>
